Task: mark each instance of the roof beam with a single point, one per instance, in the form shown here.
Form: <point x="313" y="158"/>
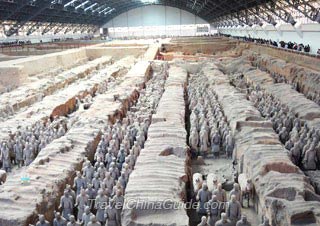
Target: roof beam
<point x="14" y="29"/>
<point x="305" y="8"/>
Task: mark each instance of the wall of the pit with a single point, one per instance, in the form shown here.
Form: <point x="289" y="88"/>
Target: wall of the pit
<point x="155" y="21"/>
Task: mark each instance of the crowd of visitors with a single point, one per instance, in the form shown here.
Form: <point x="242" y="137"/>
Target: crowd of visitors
<point x="282" y="44"/>
<point x="21" y="43"/>
<point x="14" y="43"/>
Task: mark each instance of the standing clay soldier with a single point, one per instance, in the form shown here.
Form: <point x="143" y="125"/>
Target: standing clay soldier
<point x="66" y="204"/>
<point x="221" y="194"/>
<point x="215" y="144"/>
<point x="126" y="170"/>
<point x="96" y="182"/>
<point x="234" y="210"/>
<point x="27" y="154"/>
<point x="111" y="215"/>
<point x="288" y="123"/>
<point x="295" y="153"/>
<point x="104" y="143"/>
<point x="204" y="141"/>
<point x="113" y="147"/>
<point x="136" y="149"/>
<point x="108" y="158"/>
<point x="102" y="170"/>
<point x="224" y="221"/>
<point x="91" y="192"/>
<point x="203" y="197"/>
<point x="141" y="139"/>
<point x="213" y="210"/>
<point x="132" y="159"/>
<point x="236" y="191"/>
<point x="283" y="135"/>
<point x="115" y="173"/>
<point x="42" y="221"/>
<point x="116" y="140"/>
<point x="194" y="140"/>
<point x="126" y="143"/>
<point x="309" y="161"/>
<point x="42" y="144"/>
<point x="88" y="171"/>
<point x="116" y="188"/>
<point x="294" y="134"/>
<point x="109" y="182"/>
<point x="19" y="153"/>
<point x="101" y="203"/>
<point x="203" y="221"/>
<point x="94" y="222"/>
<point x="118" y="203"/>
<point x="289" y="144"/>
<point x="224" y="130"/>
<point x="229" y="145"/>
<point x="121" y="158"/>
<point x="59" y="220"/>
<point x="123" y="180"/>
<point x="306" y="146"/>
<point x="72" y="221"/>
<point x="146" y="125"/>
<point x="79" y="183"/>
<point x="243" y="221"/>
<point x="81" y="202"/>
<point x="5" y="157"/>
<point x="99" y="155"/>
<point x="71" y="192"/>
<point x="86" y="217"/>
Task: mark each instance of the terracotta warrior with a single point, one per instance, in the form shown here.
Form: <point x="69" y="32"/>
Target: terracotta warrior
<point x="101" y="203"/>
<point x="72" y="221"/>
<point x="42" y="221"/>
<point x="203" y="197"/>
<point x="243" y="221"/>
<point x="224" y="221"/>
<point x="86" y="217"/>
<point x="94" y="221"/>
<point x="213" y="210"/>
<point x="234" y="210"/>
<point x="236" y="191"/>
<point x="59" y="220"/>
<point x="66" y="204"/>
<point x="220" y="193"/>
<point x="81" y="202"/>
<point x="203" y="221"/>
